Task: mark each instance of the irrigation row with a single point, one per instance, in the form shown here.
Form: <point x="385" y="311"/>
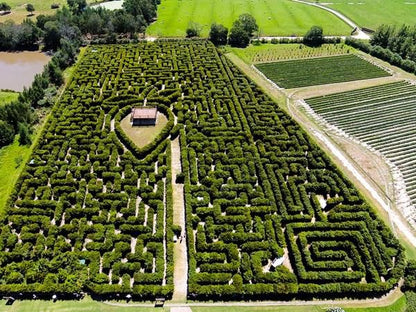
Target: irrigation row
<point x="382" y="118"/>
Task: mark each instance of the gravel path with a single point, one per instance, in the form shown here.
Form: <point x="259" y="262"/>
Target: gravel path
<point x="360" y="35"/>
<point x="180" y="253"/>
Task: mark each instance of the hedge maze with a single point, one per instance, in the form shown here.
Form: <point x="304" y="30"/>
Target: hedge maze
<point x="94" y="212"/>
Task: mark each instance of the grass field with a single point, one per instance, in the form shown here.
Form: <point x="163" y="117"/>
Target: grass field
<point x="318" y="71"/>
<point x="19" y="12"/>
<point x="276" y="52"/>
<point x="373" y="13"/>
<point x="274" y="17"/>
<point x="6" y="97"/>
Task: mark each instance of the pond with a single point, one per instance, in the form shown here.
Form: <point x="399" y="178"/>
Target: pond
<point x="17" y="70"/>
<point x="110" y="5"/>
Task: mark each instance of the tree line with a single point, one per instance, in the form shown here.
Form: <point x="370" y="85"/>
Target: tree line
<point x="394" y="44"/>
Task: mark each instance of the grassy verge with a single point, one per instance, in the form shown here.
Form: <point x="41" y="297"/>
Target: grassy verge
<point x="7" y="97"/>
<point x="398" y="306"/>
<point x="12" y="160"/>
<point x="274" y="17"/>
<point x="85" y="305"/>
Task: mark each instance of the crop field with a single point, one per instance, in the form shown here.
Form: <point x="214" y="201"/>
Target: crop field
<point x="93" y="211"/>
<point x="265" y="53"/>
<point x="274" y="17"/>
<point x="318" y="71"/>
<point x="373" y="13"/>
<point x="381" y="117"/>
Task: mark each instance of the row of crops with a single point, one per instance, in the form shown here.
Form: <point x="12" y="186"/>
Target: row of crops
<point x="383" y="118"/>
<point x="94" y="212"/>
<point x="265" y="53"/>
<point x="318" y="71"/>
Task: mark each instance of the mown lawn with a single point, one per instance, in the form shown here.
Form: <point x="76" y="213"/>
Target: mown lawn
<point x="318" y="71"/>
<point x="274" y="17"/>
<point x="85" y="305"/>
<point x="373" y="13"/>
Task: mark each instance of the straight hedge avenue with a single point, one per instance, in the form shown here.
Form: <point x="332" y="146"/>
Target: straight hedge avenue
<point x="93" y="212"/>
<point x="318" y="71"/>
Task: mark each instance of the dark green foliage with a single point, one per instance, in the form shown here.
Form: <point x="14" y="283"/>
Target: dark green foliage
<point x="77" y="6"/>
<point x="193" y="30"/>
<point x="242" y="31"/>
<point x="410" y="275"/>
<point x="253" y="186"/>
<point x="19" y="37"/>
<point x="145" y="8"/>
<point x="238" y="36"/>
<point x="411" y="301"/>
<point x="4" y="6"/>
<point x="218" y="34"/>
<point x="24" y="135"/>
<point x="248" y="23"/>
<point x="314" y="37"/>
<point x="6" y="133"/>
<point x="30" y="8"/>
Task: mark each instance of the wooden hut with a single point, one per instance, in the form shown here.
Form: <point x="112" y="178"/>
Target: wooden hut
<point x="143" y="116"/>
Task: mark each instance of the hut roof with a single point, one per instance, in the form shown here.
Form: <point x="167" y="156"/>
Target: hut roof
<point x="144" y="113"/>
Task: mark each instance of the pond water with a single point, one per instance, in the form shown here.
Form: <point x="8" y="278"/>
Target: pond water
<point x="17" y="70"/>
<point x="110" y="5"/>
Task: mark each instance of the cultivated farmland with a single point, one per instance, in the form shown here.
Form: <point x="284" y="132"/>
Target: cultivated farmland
<point x="317" y="71"/>
<point x="274" y="17"/>
<point x="265" y="53"/>
<point x="268" y="215"/>
<point x="383" y="118"/>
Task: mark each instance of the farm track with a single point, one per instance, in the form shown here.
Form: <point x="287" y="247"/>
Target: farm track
<point x="360" y="35"/>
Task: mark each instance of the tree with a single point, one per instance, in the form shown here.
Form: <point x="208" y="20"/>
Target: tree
<point x="52" y="36"/>
<point x="145" y="8"/>
<point x="30" y="8"/>
<point x="24" y="136"/>
<point x="193" y="30"/>
<point x="4" y="6"/>
<point x="55" y="73"/>
<point x="314" y="37"/>
<point x="239" y="37"/>
<point x="77" y="6"/>
<point x="248" y="23"/>
<point x="6" y="133"/>
<point x="218" y="34"/>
